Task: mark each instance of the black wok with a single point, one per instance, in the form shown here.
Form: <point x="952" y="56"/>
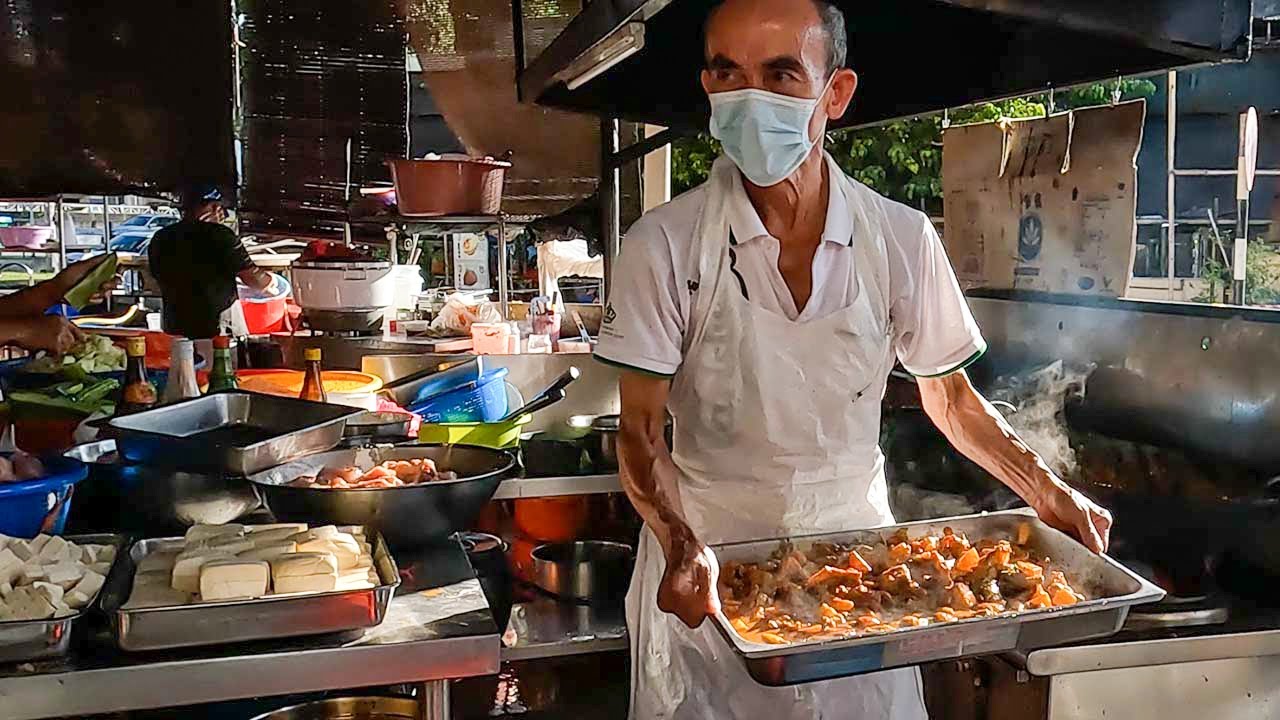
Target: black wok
<point x="408" y="517"/>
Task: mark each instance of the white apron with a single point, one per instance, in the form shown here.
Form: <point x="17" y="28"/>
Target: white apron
<point x="777" y="428"/>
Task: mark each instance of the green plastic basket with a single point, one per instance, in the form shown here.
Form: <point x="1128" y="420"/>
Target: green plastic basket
<point x="498" y="436"/>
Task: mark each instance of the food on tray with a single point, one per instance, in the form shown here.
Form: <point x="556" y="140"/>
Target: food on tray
<point x="94" y="354"/>
<point x="833" y="591"/>
<point x="49" y="576"/>
<point x="20" y="466"/>
<point x="233" y="562"/>
<point x="392" y="473"/>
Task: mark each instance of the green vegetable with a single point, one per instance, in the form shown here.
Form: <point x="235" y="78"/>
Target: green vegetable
<point x="95" y="354"/>
<point x="78" y="296"/>
<point x="72" y="397"/>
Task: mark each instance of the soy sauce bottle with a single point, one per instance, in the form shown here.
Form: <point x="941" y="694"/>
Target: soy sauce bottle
<point x="313" y="381"/>
<point x="139" y="392"/>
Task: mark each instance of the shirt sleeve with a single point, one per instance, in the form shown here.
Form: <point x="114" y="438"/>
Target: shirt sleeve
<point x="934" y="331"/>
<point x="232" y="254"/>
<point x="644" y="322"/>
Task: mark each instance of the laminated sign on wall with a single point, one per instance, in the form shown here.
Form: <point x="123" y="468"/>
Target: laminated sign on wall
<point x="1045" y="204"/>
<point x="471" y="261"/>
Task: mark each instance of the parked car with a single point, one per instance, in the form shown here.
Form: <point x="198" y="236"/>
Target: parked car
<point x="134" y="234"/>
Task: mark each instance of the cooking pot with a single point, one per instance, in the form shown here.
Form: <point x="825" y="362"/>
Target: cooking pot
<point x="349" y="708"/>
<point x="344" y="285"/>
<point x="590" y="571"/>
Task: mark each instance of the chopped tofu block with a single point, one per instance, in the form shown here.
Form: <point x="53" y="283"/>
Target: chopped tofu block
<point x="22" y="549"/>
<point x="5" y="540"/>
<point x="10" y="566"/>
<point x="31" y="573"/>
<point x="157" y="562"/>
<point x="306" y="583"/>
<point x="52" y="593"/>
<point x="233" y="545"/>
<point x="326" y="531"/>
<point x="200" y="533"/>
<point x="145" y="596"/>
<point x="357" y="579"/>
<point x="66" y="574"/>
<point x="271" y="537"/>
<point x="88" y="554"/>
<point x="106" y="553"/>
<point x="303" y="564"/>
<point x="38" y="541"/>
<point x="186" y="569"/>
<point x="5" y="589"/>
<point x="356" y="531"/>
<point x="102" y="568"/>
<point x="232" y="579"/>
<point x="61" y="610"/>
<point x="28" y="604"/>
<point x="77" y="599"/>
<point x="90" y="584"/>
<point x="293" y="528"/>
<point x="56" y="550"/>
<point x="268" y="552"/>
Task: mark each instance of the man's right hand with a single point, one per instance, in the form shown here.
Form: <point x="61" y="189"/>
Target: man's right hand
<point x="53" y="333"/>
<point x="688" y="588"/>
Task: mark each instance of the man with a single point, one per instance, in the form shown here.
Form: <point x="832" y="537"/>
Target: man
<point x="23" y="318"/>
<point x="196" y="262"/>
<point x="765" y="310"/>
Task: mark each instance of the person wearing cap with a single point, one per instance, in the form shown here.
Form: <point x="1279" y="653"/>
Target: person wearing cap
<point x="196" y="262"/>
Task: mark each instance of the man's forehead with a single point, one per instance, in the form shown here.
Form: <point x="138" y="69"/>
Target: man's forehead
<point x="751" y="32"/>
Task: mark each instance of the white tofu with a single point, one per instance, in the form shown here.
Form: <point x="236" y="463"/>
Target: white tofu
<point x="292" y="528"/>
<point x="61" y="610"/>
<point x="77" y="600"/>
<point x="66" y="574"/>
<point x="5" y="589"/>
<point x="272" y="537"/>
<point x="102" y="568"/>
<point x="157" y="562"/>
<point x="200" y="533"/>
<point x="324" y="531"/>
<point x="10" y="566"/>
<point x="56" y="550"/>
<point x="52" y="593"/>
<point x="38" y="541"/>
<point x="88" y="554"/>
<point x="106" y="553"/>
<point x="31" y="573"/>
<point x="186" y="569"/>
<point x="27" y="604"/>
<point x="22" y="549"/>
<point x="343" y="547"/>
<point x="300" y="563"/>
<point x="156" y="596"/>
<point x="90" y="584"/>
<point x="306" y="583"/>
<point x="268" y="552"/>
<point x="357" y="579"/>
<point x="5" y="540"/>
<point x="233" y="579"/>
<point x="234" y="545"/>
<point x="356" y="531"/>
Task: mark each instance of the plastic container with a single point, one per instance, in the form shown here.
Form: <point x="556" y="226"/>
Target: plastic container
<point x="408" y="285"/>
<point x="498" y="436"/>
<point x="31" y="507"/>
<point x="492" y="338"/>
<point x="485" y="400"/>
<point x="31" y="237"/>
<point x="448" y="185"/>
<point x="265" y="313"/>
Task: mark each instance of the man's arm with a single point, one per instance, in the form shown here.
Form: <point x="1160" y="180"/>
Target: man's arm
<point x="255" y="277"/>
<point x="650" y="479"/>
<point x="981" y="433"/>
<point x="36" y="299"/>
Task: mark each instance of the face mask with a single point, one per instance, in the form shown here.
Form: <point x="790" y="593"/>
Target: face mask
<point x="764" y="133"/>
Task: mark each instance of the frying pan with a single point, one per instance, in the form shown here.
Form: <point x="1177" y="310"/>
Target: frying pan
<point x="408" y="517"/>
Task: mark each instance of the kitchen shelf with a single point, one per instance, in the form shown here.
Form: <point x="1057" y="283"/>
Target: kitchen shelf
<point x="546" y="628"/>
<point x="517" y="488"/>
<point x="443" y="222"/>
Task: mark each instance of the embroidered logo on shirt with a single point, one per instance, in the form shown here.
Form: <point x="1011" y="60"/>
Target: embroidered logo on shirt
<point x="693" y="286"/>
<point x="609" y="314"/>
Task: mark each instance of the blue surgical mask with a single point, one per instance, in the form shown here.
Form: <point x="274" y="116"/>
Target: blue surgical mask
<point x="764" y="133"/>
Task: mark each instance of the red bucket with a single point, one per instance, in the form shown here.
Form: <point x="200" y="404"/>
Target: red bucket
<point x="265" y="315"/>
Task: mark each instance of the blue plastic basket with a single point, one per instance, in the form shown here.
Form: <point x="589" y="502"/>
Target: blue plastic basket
<point x="31" y="507"/>
<point x="484" y="400"/>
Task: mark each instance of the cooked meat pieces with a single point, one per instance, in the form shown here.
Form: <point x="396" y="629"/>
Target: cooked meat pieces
<point x="830" y="591"/>
<point x="392" y="473"/>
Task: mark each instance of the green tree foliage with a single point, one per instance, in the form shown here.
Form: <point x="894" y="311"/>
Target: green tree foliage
<point x="903" y="159"/>
<point x="1261" y="276"/>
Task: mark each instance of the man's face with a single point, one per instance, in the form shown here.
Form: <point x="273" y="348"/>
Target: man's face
<point x="778" y="46"/>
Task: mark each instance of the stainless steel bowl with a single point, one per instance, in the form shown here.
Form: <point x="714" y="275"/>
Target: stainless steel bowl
<point x="588" y="571"/>
<point x="410" y="516"/>
<point x="349" y="708"/>
<point x="118" y="496"/>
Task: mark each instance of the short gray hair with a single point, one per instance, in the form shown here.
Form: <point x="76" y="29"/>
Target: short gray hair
<point x="832" y="19"/>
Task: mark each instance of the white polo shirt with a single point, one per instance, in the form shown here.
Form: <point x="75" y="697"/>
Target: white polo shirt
<point x="654" y="283"/>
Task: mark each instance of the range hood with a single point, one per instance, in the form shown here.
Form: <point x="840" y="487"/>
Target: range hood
<point x="639" y="59"/>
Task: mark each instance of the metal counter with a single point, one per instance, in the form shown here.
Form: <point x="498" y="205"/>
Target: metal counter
<point x="545" y="628"/>
<point x="438" y="627"/>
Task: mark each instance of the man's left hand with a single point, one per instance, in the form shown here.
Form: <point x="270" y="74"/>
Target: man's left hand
<point x="1067" y="509"/>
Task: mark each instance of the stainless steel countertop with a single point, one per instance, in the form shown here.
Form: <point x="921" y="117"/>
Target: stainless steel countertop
<point x="545" y="628"/>
<point x="516" y="488"/>
<point x="432" y="634"/>
<point x="1113" y="655"/>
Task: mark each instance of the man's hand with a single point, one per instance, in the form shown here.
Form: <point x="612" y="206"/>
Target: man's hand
<point x="53" y="333"/>
<point x="688" y="588"/>
<point x="1068" y="510"/>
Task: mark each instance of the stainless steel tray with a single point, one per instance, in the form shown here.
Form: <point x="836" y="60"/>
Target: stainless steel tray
<point x="26" y="640"/>
<point x="1113" y="586"/>
<point x="216" y="623"/>
<point x="235" y="432"/>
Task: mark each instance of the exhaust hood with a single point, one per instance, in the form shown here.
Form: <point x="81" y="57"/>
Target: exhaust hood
<point x="639" y="59"/>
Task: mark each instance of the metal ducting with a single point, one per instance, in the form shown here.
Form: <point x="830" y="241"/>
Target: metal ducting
<point x="639" y="59"/>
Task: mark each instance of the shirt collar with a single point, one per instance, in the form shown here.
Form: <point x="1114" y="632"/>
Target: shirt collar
<point x="746" y="225"/>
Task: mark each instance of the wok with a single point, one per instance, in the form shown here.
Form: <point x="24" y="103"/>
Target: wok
<point x="408" y="517"/>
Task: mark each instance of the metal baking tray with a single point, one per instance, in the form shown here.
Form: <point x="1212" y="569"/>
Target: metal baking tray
<point x="230" y="621"/>
<point x="27" y="640"/>
<point x="235" y="432"/>
<point x="1114" y="587"/>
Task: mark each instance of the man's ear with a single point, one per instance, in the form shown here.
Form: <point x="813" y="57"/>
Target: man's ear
<point x="843" y="87"/>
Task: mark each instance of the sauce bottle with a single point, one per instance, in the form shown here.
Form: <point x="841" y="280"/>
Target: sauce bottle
<point x="222" y="376"/>
<point x="313" y="381"/>
<point x="182" y="371"/>
<point x="139" y="393"/>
